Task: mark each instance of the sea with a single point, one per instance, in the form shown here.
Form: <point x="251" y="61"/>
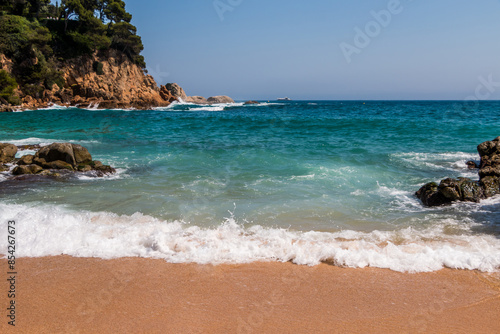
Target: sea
<point x="306" y="182"/>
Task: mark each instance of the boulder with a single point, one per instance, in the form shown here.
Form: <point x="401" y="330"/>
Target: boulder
<point x="461" y="189"/>
<point x="56" y="160"/>
<point x="489" y="152"/>
<point x="220" y="99"/>
<point x="196" y="100"/>
<point x="81" y="154"/>
<point x="26" y="159"/>
<point x="464" y="189"/>
<point x="84" y="168"/>
<point x="7" y="152"/>
<point x="472" y="164"/>
<point x="251" y="102"/>
<point x="27" y="169"/>
<point x="490" y="185"/>
<point x="57" y="151"/>
<point x="430" y="196"/>
<point x="104" y="169"/>
<point x="58" y="164"/>
<point x="449" y="191"/>
<point x="176" y="91"/>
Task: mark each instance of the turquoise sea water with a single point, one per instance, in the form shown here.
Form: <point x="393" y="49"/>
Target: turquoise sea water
<point x="306" y="181"/>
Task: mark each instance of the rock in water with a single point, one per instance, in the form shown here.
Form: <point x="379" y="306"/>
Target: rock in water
<point x="26" y="160"/>
<point x="430" y="196"/>
<point x="490" y="185"/>
<point x="490" y="158"/>
<point x="54" y="160"/>
<point x="27" y="169"/>
<point x="463" y="189"/>
<point x="82" y="155"/>
<point x="220" y="99"/>
<point x="196" y="100"/>
<point x="55" y="152"/>
<point x="7" y="152"/>
<point x="176" y="91"/>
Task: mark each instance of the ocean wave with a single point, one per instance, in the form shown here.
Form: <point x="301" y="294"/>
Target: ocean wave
<point x="44" y="141"/>
<point x="55" y="230"/>
<point x="205" y="108"/>
<point x="447" y="161"/>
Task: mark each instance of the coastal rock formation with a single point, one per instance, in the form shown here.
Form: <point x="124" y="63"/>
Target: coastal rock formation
<point x="172" y="92"/>
<point x="220" y="99"/>
<point x="64" y="157"/>
<point x="196" y="100"/>
<point x="106" y="79"/>
<point x="464" y="189"/>
<point x="251" y="102"/>
<point x="176" y="91"/>
<point x="7" y="152"/>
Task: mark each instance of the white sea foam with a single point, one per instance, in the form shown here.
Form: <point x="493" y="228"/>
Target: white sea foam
<point x="121" y="173"/>
<point x="54" y="230"/>
<point x="218" y="108"/>
<point x="437" y="161"/>
<point x="44" y="141"/>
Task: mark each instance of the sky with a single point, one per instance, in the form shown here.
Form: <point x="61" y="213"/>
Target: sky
<point x="323" y="49"/>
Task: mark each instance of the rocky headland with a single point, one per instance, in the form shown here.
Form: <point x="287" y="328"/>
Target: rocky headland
<point x="105" y="80"/>
<point x="54" y="160"/>
<point x="464" y="189"/>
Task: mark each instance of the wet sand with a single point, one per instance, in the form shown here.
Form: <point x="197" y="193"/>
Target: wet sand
<point x="80" y="295"/>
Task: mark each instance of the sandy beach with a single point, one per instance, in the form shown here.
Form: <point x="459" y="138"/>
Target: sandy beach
<point x="84" y="295"/>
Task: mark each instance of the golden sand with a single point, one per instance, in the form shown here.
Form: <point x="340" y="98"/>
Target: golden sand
<point x="80" y="295"/>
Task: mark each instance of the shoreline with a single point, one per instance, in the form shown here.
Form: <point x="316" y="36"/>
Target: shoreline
<point x="83" y="295"/>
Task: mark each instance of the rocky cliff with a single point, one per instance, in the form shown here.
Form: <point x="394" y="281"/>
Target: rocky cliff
<point x="106" y="79"/>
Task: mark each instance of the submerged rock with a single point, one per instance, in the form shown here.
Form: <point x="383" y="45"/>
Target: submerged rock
<point x="472" y="164"/>
<point x="464" y="189"/>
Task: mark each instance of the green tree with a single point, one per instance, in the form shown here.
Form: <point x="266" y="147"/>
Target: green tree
<point x="7" y="87"/>
<point x="124" y="38"/>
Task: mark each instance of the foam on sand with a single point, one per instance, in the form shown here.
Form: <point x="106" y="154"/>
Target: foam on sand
<point x="54" y="230"/>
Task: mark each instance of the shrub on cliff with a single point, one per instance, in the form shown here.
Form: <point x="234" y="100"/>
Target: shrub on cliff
<point x="27" y="44"/>
<point x="7" y="86"/>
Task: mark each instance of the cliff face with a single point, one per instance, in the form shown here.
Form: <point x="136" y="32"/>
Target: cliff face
<point x="106" y="79"/>
<point x="111" y="80"/>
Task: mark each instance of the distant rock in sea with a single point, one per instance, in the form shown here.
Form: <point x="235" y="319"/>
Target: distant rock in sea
<point x="251" y="102"/>
<point x="220" y="99"/>
<point x="196" y="100"/>
<point x="464" y="189"/>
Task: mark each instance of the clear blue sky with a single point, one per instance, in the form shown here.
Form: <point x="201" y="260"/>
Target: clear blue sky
<point x="264" y="49"/>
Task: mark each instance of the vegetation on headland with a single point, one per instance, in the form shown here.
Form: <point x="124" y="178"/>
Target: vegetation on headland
<point x="36" y="35"/>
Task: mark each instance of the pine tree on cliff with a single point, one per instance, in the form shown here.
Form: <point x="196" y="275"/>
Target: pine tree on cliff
<point x="103" y="24"/>
<point x="35" y="35"/>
